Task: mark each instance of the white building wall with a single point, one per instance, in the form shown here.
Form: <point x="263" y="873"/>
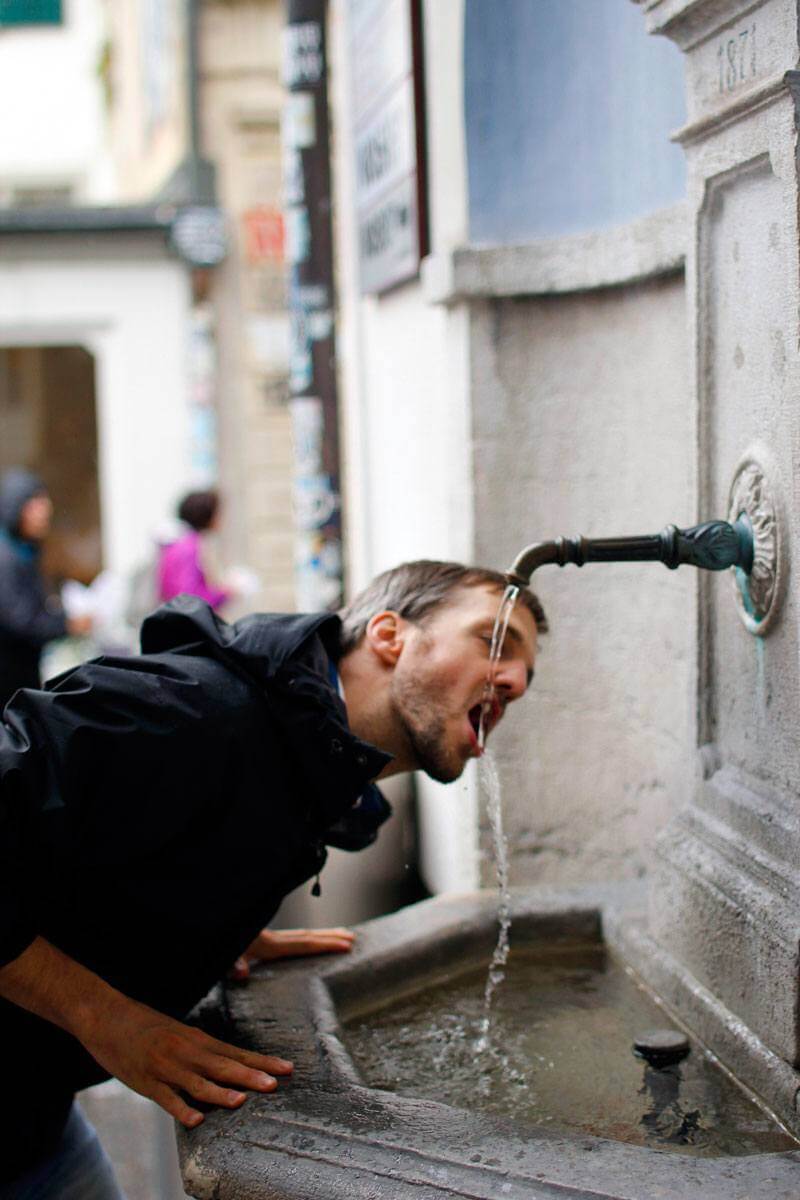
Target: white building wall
<point x="49" y="81"/>
<point x="404" y="397"/>
<point x="124" y="307"/>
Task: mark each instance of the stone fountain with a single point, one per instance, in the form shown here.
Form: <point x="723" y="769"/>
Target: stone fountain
<point x="328" y="1134"/>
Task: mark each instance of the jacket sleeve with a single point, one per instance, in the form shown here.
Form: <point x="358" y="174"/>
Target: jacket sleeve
<point x="130" y="754"/>
<point x="23" y="613"/>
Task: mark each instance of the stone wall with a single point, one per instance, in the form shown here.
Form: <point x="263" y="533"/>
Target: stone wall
<point x="582" y="425"/>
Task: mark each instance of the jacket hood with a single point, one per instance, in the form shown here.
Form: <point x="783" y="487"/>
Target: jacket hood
<point x="259" y="644"/>
<point x="17" y="487"/>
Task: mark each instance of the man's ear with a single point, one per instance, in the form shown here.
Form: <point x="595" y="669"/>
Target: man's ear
<point x="385" y="636"/>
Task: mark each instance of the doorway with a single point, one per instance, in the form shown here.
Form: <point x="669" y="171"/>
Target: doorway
<point x="48" y="423"/>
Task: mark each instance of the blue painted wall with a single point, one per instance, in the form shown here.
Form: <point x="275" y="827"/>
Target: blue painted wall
<point x="569" y="105"/>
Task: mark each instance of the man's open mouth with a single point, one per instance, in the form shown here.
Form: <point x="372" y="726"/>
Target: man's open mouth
<point x="493" y="713"/>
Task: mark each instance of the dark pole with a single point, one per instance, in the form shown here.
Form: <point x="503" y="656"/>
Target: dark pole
<point x="309" y="245"/>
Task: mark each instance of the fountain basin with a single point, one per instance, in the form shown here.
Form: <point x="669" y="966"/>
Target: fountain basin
<point x="328" y="1134"/>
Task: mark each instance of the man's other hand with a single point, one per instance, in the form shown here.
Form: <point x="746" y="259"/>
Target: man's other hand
<point x="173" y="1064"/>
<point x="292" y="943"/>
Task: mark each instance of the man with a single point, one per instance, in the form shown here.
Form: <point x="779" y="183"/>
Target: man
<point x="155" y="811"/>
<point x="28" y="617"/>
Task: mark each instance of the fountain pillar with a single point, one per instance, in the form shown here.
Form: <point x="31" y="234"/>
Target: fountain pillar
<point x="724" y="922"/>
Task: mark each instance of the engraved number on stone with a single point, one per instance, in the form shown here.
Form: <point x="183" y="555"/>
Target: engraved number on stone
<point x="736" y="58"/>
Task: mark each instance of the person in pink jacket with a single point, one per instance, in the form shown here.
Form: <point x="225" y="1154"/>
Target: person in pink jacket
<point x="180" y="566"/>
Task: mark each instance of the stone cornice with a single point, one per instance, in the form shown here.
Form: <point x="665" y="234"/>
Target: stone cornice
<point x="689" y="22"/>
<point x="695" y="131"/>
<point x="643" y="249"/>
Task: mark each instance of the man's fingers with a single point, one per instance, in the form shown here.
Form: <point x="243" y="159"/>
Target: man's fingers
<point x="175" y="1107"/>
<point x="265" y="1062"/>
<point x="203" y="1089"/>
<point x="290" y="943"/>
<point x="240" y="969"/>
<point x="331" y="939"/>
<point x="227" y="1070"/>
<point x="292" y="934"/>
<point x="250" y="1058"/>
<point x="301" y="937"/>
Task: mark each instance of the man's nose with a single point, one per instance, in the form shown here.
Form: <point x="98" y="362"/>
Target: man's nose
<point x="511" y="679"/>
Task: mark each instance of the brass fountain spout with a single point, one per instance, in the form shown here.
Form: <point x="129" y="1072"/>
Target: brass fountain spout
<point x="714" y="546"/>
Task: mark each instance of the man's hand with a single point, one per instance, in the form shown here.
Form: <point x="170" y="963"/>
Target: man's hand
<point x="292" y="943"/>
<point x="168" y="1061"/>
<point x="155" y="1055"/>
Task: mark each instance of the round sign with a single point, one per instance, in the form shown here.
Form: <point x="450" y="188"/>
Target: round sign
<point x="199" y="236"/>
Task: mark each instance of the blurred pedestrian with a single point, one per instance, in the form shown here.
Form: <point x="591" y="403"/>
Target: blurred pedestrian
<point x="29" y="617"/>
<point x="180" y="564"/>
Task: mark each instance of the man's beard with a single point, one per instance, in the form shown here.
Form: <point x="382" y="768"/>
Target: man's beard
<point x="424" y="728"/>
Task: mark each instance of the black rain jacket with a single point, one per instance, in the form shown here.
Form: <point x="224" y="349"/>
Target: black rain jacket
<point x="27" y="622"/>
<point x="154" y="812"/>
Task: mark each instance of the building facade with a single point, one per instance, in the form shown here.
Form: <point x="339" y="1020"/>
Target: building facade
<point x="124" y="243"/>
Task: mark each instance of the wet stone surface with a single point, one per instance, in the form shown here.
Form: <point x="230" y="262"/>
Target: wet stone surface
<point x="560" y="1057"/>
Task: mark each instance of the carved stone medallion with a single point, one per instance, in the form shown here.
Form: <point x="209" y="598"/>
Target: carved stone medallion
<point x="757" y="594"/>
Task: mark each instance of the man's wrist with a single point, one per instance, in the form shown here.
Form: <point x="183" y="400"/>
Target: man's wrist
<point x="50" y="984"/>
<point x="95" y="1006"/>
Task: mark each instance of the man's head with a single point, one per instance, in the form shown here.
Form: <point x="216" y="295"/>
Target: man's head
<point x="415" y="659"/>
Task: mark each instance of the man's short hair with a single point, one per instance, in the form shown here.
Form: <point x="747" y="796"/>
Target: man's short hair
<point x="416" y="589"/>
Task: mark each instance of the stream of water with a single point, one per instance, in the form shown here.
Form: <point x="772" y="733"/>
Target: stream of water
<point x="490" y="781"/>
<point x="490" y="784"/>
<point x="495" y="650"/>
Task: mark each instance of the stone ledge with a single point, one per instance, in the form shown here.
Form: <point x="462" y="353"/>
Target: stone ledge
<point x="632" y="253"/>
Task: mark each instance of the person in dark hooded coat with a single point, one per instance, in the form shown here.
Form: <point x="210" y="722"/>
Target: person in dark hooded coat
<point x="155" y="811"/>
<point x="29" y="617"/>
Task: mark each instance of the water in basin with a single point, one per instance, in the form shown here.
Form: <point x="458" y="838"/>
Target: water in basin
<point x="563" y="1024"/>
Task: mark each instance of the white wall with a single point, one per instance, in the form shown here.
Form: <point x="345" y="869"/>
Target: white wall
<point x="49" y="82"/>
<point x="404" y="397"/>
<point x="129" y="308"/>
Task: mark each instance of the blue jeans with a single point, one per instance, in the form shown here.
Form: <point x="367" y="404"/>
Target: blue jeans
<point x="77" y="1170"/>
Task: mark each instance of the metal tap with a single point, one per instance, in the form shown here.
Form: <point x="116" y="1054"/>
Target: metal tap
<point x="714" y="546"/>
